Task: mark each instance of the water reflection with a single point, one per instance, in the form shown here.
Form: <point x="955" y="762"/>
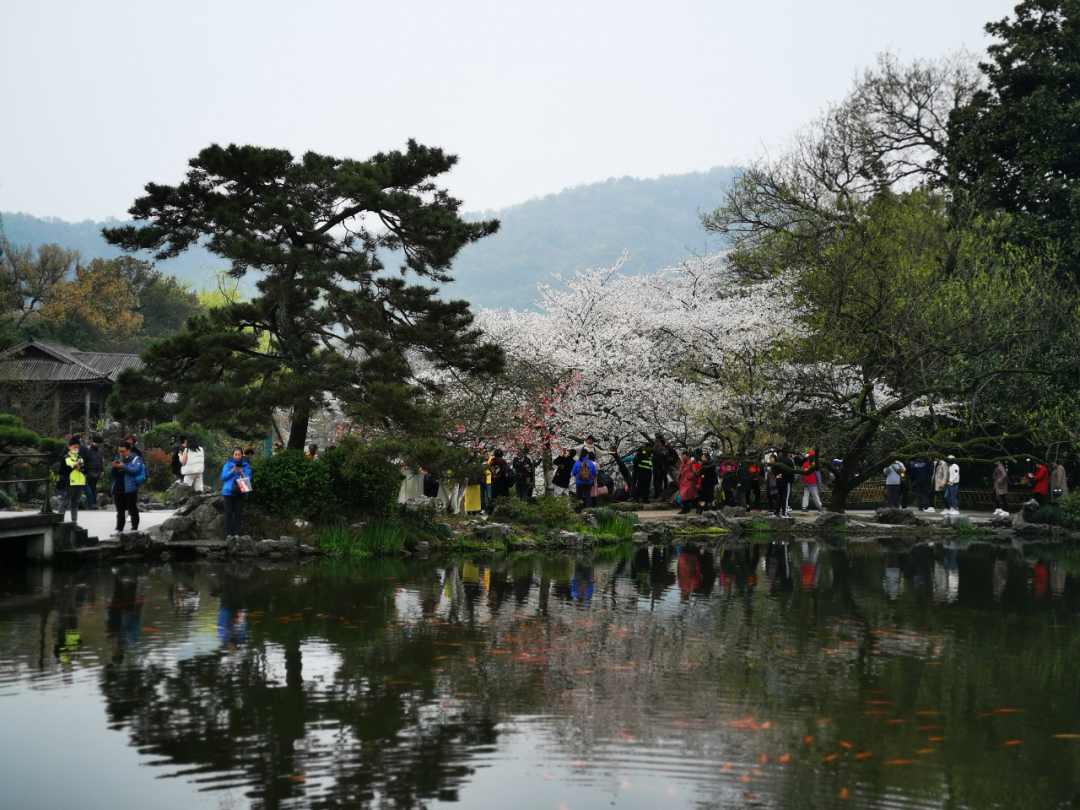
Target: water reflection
<point x="898" y="674"/>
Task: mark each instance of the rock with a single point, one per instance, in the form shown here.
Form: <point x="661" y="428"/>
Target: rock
<point x="827" y="518"/>
<point x="1027" y="510"/>
<point x="241" y="546"/>
<point x="180" y="525"/>
<point x="164" y="535"/>
<point x="179" y="494"/>
<point x="428" y="506"/>
<point x="734" y="511"/>
<point x="283" y="547"/>
<point x="300" y="523"/>
<point x="898" y="517"/>
<point x="493" y="530"/>
<point x="306" y="550"/>
<point x="574" y="540"/>
<point x="1001" y="522"/>
<point x="641" y="538"/>
<point x="141" y="543"/>
<point x="211" y="523"/>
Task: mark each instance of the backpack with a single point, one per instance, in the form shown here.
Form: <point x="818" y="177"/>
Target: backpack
<point x="584" y="473"/>
<point x="501" y="473"/>
<point x="140" y="476"/>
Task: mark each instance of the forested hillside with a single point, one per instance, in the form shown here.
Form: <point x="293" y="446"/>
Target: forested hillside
<point x="195" y="265"/>
<point x="589" y="226"/>
<point x="582" y="227"/>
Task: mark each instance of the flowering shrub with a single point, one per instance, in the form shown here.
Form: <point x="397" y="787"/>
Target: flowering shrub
<point x="159" y="476"/>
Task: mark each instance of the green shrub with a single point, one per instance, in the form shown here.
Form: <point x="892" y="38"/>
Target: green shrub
<point x="361" y="487"/>
<point x="1047" y="516"/>
<point x="547" y="512"/>
<point x="162" y="435"/>
<point x="1069" y="507"/>
<point x="291" y="485"/>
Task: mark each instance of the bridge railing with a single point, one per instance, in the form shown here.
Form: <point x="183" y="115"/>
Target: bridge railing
<point x="46" y="505"/>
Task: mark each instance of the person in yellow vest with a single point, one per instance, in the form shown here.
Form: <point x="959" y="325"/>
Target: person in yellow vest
<point x="73" y="466"/>
<point x="485" y="490"/>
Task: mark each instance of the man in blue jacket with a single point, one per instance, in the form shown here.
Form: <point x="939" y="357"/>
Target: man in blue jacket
<point x="125" y="468"/>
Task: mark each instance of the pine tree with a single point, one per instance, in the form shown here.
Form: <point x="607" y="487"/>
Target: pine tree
<point x="327" y="321"/>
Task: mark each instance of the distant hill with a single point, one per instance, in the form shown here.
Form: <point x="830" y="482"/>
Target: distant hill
<point x="586" y="226"/>
<point x="194" y="265"/>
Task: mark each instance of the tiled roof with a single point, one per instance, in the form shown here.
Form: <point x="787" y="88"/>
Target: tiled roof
<point x="40" y="361"/>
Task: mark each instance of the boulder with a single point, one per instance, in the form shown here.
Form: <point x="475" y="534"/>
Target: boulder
<point x="141" y="543"/>
<point x="211" y="524"/>
<point x="1027" y="510"/>
<point x="241" y="546"/>
<point x="734" y="511"/>
<point x="574" y="540"/>
<point x="889" y="516"/>
<point x="282" y="547"/>
<point x="179" y="494"/>
<point x="492" y="530"/>
<point x="827" y="518"/>
<point x="641" y="538"/>
<point x="181" y="525"/>
<point x="1001" y="522"/>
<point x="164" y="535"/>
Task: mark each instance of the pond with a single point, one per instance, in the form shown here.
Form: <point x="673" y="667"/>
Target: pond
<point x="776" y="674"/>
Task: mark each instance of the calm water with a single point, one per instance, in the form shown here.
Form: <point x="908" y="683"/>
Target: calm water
<point x="779" y="675"/>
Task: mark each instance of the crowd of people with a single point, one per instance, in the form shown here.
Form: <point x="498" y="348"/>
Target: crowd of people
<point x="698" y="479"/>
<point x="702" y="479"/>
<point x="82" y="466"/>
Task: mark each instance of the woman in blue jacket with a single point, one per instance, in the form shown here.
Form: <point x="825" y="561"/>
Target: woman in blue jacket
<point x="234" y="468"/>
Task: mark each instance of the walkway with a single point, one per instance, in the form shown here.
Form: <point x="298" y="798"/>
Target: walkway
<point x="102" y="522"/>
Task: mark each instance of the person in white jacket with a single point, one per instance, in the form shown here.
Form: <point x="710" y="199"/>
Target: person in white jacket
<point x="951" y="487"/>
<point x="192" y="462"/>
<point x="894" y="476"/>
<point x="941" y="480"/>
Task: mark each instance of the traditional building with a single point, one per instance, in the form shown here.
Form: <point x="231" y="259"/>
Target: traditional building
<point x="56" y="389"/>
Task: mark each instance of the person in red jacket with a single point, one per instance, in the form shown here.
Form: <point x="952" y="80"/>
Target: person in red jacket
<point x="688" y="482"/>
<point x="1040" y="482"/>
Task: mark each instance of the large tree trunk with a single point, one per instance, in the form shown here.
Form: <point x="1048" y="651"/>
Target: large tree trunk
<point x="838" y="499"/>
<point x="546" y="467"/>
<point x="301" y="415"/>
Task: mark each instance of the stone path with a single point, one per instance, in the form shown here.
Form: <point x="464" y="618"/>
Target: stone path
<point x="102" y="522"/>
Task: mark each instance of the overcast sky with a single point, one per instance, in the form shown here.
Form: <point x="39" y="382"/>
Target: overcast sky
<point x="101" y="97"/>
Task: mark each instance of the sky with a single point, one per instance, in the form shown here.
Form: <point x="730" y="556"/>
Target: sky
<point x="102" y="97"/>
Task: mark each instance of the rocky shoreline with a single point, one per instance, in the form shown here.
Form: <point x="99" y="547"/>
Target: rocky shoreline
<point x="196" y="528"/>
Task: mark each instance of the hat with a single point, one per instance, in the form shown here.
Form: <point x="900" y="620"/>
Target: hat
<point x="952" y="458"/>
<point x="809" y="452"/>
